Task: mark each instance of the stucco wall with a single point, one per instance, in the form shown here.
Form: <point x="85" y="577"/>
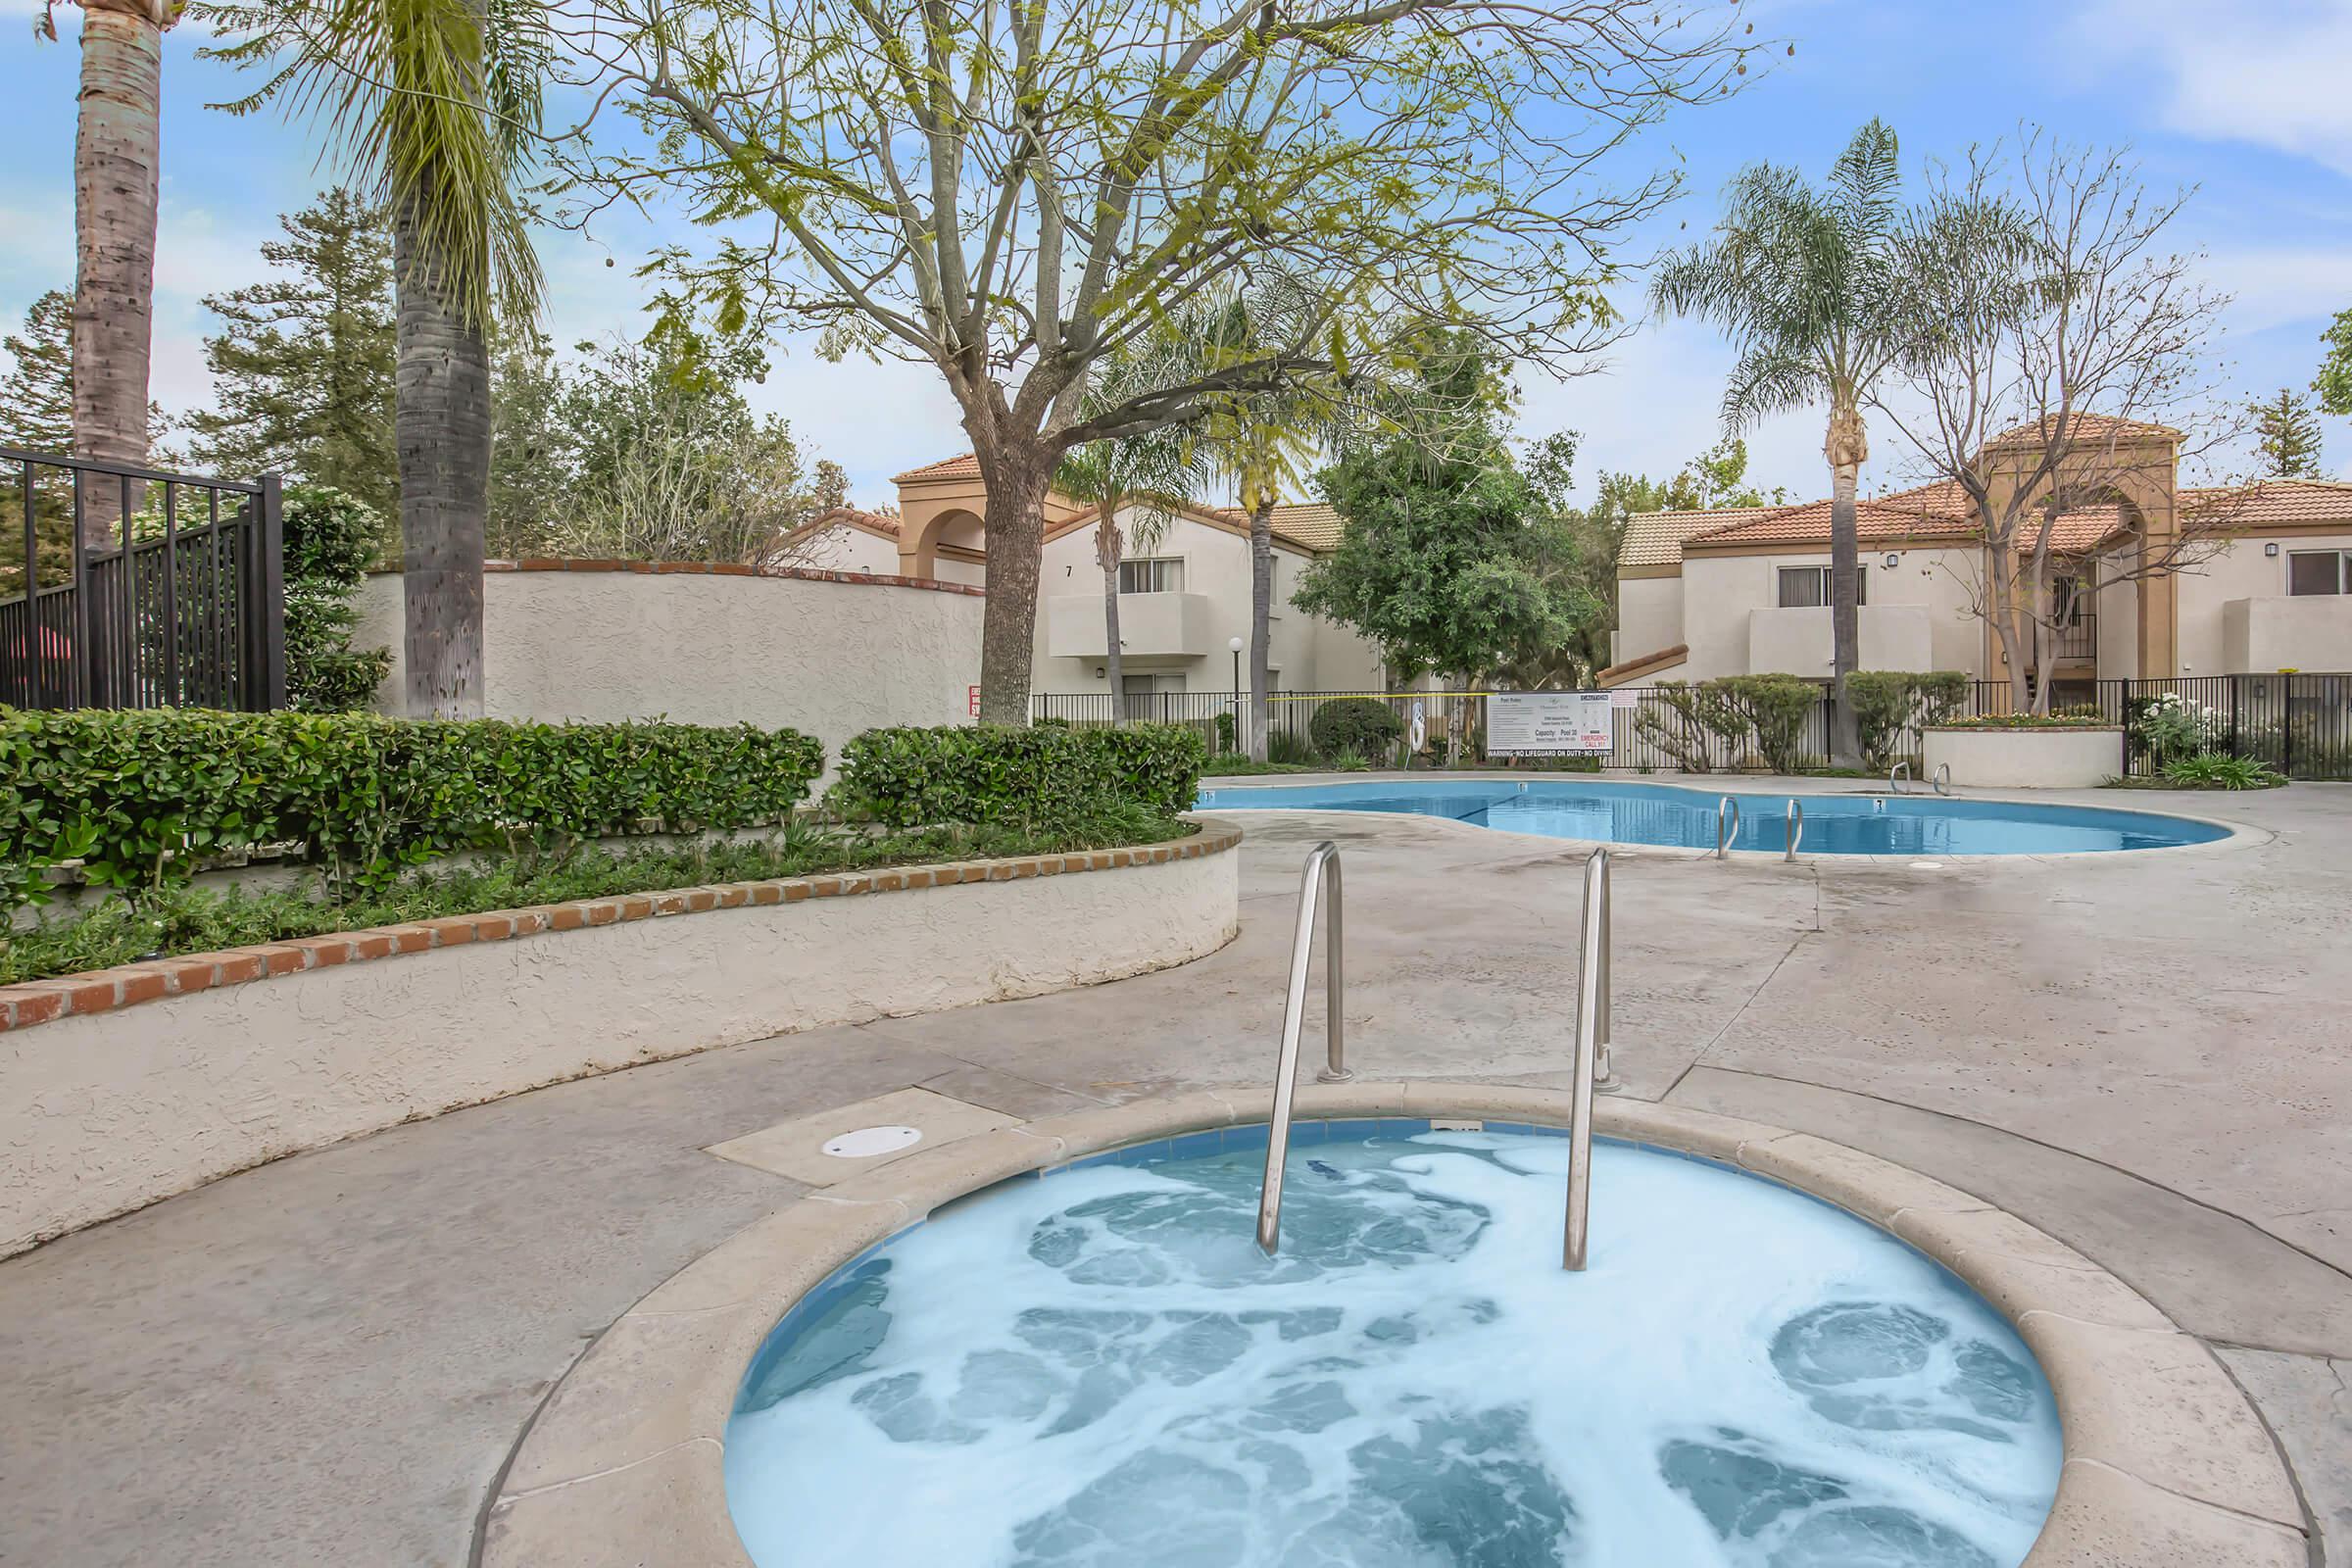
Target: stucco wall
<point x="1306" y="654"/>
<point x="2243" y="571"/>
<point x="2312" y="632"/>
<point x="1801" y="641"/>
<point x="830" y="659"/>
<point x="2025" y="758"/>
<point x="104" y="1112"/>
<point x="1649" y="615"/>
<point x="1720" y="592"/>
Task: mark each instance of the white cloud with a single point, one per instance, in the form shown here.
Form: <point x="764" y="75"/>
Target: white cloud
<point x="2281" y="285"/>
<point x="2271" y="74"/>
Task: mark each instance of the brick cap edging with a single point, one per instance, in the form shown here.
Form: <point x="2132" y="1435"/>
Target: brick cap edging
<point x="37" y="1002"/>
<point x="724" y="569"/>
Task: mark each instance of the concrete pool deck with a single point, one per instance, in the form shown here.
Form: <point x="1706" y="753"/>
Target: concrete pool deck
<point x="2148" y="1056"/>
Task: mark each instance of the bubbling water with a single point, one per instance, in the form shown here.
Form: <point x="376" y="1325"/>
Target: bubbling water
<point x="1101" y="1370"/>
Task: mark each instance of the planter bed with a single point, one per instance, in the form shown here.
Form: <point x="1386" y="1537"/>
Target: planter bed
<point x="2058" y="756"/>
<point x="123" y="1086"/>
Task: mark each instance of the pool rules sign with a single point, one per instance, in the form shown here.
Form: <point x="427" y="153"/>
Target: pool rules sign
<point x="1548" y="724"/>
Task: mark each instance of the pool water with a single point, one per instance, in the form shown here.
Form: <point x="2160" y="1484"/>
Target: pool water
<point x="1099" y="1368"/>
<point x="1615" y="812"/>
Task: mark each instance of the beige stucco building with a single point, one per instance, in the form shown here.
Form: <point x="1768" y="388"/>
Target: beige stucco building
<point x="2263" y="583"/>
<point x="1182" y="601"/>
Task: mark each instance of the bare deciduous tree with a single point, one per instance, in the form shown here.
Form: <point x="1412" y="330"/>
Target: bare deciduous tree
<point x="2061" y="375"/>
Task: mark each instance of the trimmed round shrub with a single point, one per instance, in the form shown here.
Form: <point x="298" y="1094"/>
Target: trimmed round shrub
<point x="1364" y="725"/>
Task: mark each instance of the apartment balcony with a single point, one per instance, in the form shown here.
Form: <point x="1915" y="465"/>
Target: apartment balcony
<point x="2308" y="632"/>
<point x="1151" y="626"/>
<point x="1798" y="641"/>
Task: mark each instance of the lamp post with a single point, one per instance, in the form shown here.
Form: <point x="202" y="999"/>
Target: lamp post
<point x="1240" y="743"/>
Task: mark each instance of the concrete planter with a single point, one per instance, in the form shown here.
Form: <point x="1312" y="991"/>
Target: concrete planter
<point x="2056" y="759"/>
<point x="124" y="1086"/>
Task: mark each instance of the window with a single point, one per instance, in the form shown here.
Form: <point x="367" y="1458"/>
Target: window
<point x="1808" y="587"/>
<point x="2318" y="571"/>
<point x="1153" y="575"/>
<point x="2068" y="602"/>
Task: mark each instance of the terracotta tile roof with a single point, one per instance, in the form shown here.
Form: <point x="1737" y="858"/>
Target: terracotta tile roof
<point x="2270" y="501"/>
<point x="1649" y="663"/>
<point x="2084" y="427"/>
<point x="871" y="521"/>
<point x="1928" y="512"/>
<point x="1308" y="524"/>
<point x="1655" y="538"/>
<point x="962" y="467"/>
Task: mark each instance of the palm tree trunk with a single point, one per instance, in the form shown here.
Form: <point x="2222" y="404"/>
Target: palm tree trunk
<point x="1107" y="550"/>
<point x="1261" y="613"/>
<point x="117" y="154"/>
<point x="441" y="433"/>
<point x="1846" y="449"/>
<point x="1016" y="470"/>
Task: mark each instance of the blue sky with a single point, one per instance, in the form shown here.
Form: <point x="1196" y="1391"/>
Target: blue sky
<point x="2245" y="100"/>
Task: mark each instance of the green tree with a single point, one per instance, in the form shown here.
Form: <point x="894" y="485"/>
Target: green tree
<point x="2287" y="434"/>
<point x="1443" y="558"/>
<point x="2334" y="383"/>
<point x="330" y="539"/>
<point x="435" y="105"/>
<point x="528" y="445"/>
<point x="36" y="401"/>
<point x="1009" y="194"/>
<point x="303" y="365"/>
<point x="1806" y="284"/>
<point x="1147" y="475"/>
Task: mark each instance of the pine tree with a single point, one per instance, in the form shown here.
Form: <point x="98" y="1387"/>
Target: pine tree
<point x="2288" y="436"/>
<point x="36" y="401"/>
<point x="303" y="363"/>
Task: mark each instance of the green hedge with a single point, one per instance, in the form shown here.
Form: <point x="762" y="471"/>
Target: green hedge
<point x="1365" y="724"/>
<point x="139" y="797"/>
<point x="911" y="777"/>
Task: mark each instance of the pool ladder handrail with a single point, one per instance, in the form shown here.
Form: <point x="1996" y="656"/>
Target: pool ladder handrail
<point x="1293" y="1016"/>
<point x="1796" y="830"/>
<point x="1725" y="804"/>
<point x="1892" y="788"/>
<point x="1591" y="1060"/>
<point x="1943" y="778"/>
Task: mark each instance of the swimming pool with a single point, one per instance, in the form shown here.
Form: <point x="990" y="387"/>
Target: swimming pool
<point x="1099" y="1369"/>
<point x="1683" y="817"/>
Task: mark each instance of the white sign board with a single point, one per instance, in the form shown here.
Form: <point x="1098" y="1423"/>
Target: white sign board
<point x="1548" y="724"/>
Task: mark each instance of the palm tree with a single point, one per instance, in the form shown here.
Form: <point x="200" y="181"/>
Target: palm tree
<point x="1805" y="283"/>
<point x="1264" y="444"/>
<point x="436" y="104"/>
<point x="118" y="153"/>
<point x="1149" y="476"/>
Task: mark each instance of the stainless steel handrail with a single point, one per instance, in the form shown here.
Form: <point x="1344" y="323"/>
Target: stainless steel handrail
<point x="1893" y="788"/>
<point x="1797" y="827"/>
<point x="1592" y="1053"/>
<point x="1293" y="1015"/>
<point x="1722" y="805"/>
<point x="1943" y="778"/>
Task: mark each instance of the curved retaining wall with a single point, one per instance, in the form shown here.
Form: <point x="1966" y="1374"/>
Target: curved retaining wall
<point x="124" y="1086"/>
<point x="2025" y="758"/>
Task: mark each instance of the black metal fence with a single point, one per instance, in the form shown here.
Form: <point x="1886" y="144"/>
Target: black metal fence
<point x="139" y="588"/>
<point x="2300" y="724"/>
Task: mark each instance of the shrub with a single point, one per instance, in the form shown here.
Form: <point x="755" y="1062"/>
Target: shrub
<point x="909" y="777"/>
<point x="2089" y="720"/>
<point x="2169" y="726"/>
<point x="1225" y="729"/>
<point x="1685" y="720"/>
<point x="140" y="797"/>
<point x="2217" y="772"/>
<point x="1364" y="725"/>
<point x="1890" y="706"/>
<point x="1285" y="746"/>
<point x="330" y="539"/>
<point x="1774" y="709"/>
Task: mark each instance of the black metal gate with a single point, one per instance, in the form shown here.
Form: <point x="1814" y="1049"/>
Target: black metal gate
<point x="176" y="600"/>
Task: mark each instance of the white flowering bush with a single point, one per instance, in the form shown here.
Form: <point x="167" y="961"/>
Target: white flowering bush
<point x="2169" y="726"/>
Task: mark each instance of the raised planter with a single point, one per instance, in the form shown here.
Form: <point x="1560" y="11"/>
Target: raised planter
<point x="2057" y="758"/>
<point x="124" y="1086"/>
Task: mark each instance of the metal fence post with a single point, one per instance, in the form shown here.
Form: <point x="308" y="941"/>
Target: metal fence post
<point x="271" y="543"/>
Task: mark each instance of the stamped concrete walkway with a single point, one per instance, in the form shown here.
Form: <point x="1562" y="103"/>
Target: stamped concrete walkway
<point x="2149" y="1056"/>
